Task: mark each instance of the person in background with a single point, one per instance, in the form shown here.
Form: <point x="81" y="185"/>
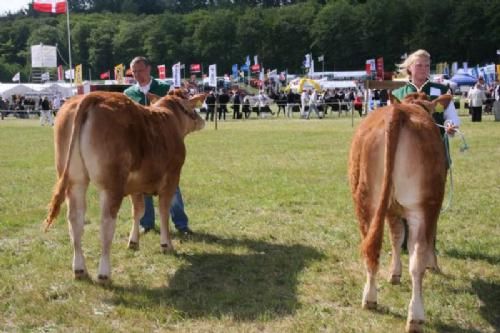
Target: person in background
<point x="141" y="71"/>
<point x="210" y="102"/>
<point x="46" y="113"/>
<point x="477" y="97"/>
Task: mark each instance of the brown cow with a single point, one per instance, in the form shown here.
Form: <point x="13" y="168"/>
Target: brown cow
<point x="397" y="170"/>
<point x="124" y="149"/>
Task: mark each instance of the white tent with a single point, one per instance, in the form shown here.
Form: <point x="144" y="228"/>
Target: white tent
<point x="9" y="89"/>
<point x="337" y="84"/>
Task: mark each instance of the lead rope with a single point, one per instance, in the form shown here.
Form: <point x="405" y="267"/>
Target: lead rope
<point x="463" y="148"/>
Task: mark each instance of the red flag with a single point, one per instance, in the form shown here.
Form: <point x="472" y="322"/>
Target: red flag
<point x="60" y="73"/>
<point x="105" y="75"/>
<point x="380" y="68"/>
<point x="255" y="68"/>
<point x="195" y="68"/>
<point x="50" y="6"/>
<point x="162" y="72"/>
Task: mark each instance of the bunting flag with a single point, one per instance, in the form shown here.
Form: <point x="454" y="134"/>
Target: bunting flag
<point x="212" y="75"/>
<point x="162" y="72"/>
<point x="69" y="74"/>
<point x="321" y="58"/>
<point x="16" y="77"/>
<point x="380" y="68"/>
<point x="60" y="73"/>
<point x="176" y="74"/>
<point x="255" y="68"/>
<point x="119" y="69"/>
<point x="195" y="68"/>
<point x="105" y="75"/>
<point x="78" y="74"/>
<point x="50" y="6"/>
<point x="45" y="76"/>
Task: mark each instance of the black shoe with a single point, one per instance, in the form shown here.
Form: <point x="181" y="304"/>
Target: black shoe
<point x="185" y="232"/>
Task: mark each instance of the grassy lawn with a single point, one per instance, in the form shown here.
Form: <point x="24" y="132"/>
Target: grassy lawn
<point x="276" y="246"/>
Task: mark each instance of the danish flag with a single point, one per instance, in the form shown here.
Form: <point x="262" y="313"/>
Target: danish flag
<point x="50" y="6"/>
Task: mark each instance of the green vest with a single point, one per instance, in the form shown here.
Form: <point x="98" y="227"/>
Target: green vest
<point x="432" y="90"/>
<point x="157" y="87"/>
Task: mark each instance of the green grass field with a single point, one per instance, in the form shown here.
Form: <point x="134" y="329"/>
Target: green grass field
<point x="276" y="246"/>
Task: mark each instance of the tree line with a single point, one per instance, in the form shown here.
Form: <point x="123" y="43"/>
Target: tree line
<point x="347" y="32"/>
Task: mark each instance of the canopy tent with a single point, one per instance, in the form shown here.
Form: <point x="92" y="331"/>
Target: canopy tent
<point x="9" y="89"/>
<point x="337" y="84"/>
<point x="63" y="90"/>
<point x="462" y="78"/>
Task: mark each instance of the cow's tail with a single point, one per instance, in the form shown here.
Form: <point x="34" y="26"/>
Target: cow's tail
<point x="59" y="192"/>
<point x="372" y="243"/>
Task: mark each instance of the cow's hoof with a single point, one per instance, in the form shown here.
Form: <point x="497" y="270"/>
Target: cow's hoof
<point x="133" y="245"/>
<point x="167" y="248"/>
<point x="395" y="279"/>
<point x="415" y="326"/>
<point x="80" y="274"/>
<point x="103" y="279"/>
<point x="369" y="305"/>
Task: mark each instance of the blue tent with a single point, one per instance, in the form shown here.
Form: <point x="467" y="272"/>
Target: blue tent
<point x="462" y="78"/>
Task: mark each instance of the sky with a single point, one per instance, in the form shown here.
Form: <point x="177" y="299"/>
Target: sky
<point x="12" y="5"/>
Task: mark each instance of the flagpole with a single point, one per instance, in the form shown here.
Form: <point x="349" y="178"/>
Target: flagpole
<point x="69" y="47"/>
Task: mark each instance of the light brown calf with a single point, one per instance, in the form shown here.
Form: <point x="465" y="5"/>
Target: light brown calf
<point x="397" y="170"/>
<point x="123" y="148"/>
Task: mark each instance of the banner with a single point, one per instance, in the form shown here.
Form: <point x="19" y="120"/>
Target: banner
<point x="43" y="56"/>
<point x="212" y="75"/>
<point x="498" y="72"/>
<point x="307" y="61"/>
<point x="235" y="70"/>
<point x="195" y="68"/>
<point x="247" y="61"/>
<point x="16" y="77"/>
<point x="162" y="72"/>
<point x="60" y="73"/>
<point x="78" y="74"/>
<point x="119" y="69"/>
<point x="50" y="6"/>
<point x="176" y="74"/>
<point x="380" y="68"/>
<point x="255" y="59"/>
<point x="255" y="68"/>
<point x="105" y="75"/>
<point x="370" y="66"/>
<point x="69" y="74"/>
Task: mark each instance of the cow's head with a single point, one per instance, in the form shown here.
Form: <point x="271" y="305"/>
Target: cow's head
<point x="439" y="104"/>
<point x="180" y="103"/>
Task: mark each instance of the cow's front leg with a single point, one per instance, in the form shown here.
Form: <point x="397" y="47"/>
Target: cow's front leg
<point x="137" y="213"/>
<point x="76" y="218"/>
<point x="165" y="202"/>
<point x="110" y="204"/>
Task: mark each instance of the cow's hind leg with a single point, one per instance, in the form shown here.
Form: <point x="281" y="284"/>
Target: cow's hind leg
<point x="110" y="204"/>
<point x="76" y="218"/>
<point x="418" y="250"/>
<point x="138" y="213"/>
<point x="397" y="236"/>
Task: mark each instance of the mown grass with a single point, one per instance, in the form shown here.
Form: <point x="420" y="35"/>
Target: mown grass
<point x="276" y="246"/>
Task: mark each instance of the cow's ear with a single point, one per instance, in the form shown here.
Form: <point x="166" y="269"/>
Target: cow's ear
<point x="197" y="100"/>
<point x="394" y="99"/>
<point x="442" y="102"/>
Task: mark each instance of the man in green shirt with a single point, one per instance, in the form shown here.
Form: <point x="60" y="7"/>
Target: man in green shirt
<point x="141" y="70"/>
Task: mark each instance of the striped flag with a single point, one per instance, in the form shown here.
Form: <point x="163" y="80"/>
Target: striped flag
<point x="50" y="6"/>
